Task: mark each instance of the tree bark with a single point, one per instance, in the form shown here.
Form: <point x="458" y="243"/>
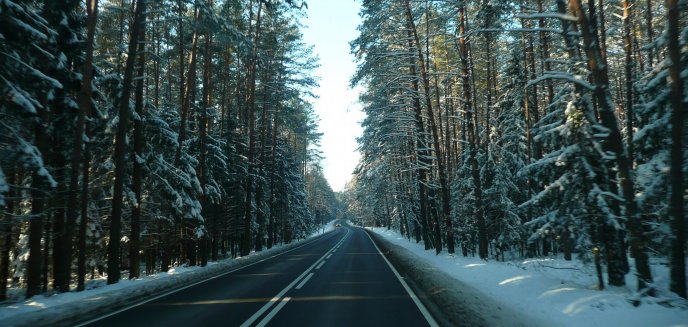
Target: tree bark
<point x="614" y="142"/>
<point x="61" y="267"/>
<point x="83" y="224"/>
<point x="6" y="227"/>
<point x="602" y="32"/>
<point x="526" y="106"/>
<point x="446" y="206"/>
<point x="260" y="215"/>
<point x="187" y="92"/>
<point x="180" y="30"/>
<point x="650" y="33"/>
<point x="533" y="96"/>
<point x="186" y="98"/>
<point x="246" y="241"/>
<point x="120" y="147"/>
<point x="545" y="53"/>
<point x="678" y="220"/>
<point x="85" y="98"/>
<point x="473" y="138"/>
<point x="421" y="154"/>
<point x="628" y="72"/>
<point x="273" y="171"/>
<point x="203" y="136"/>
<point x="34" y="262"/>
<point x="137" y="166"/>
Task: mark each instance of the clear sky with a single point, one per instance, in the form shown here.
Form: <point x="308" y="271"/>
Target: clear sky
<point x="330" y="26"/>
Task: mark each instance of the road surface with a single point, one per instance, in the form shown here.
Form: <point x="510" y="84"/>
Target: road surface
<point x="338" y="279"/>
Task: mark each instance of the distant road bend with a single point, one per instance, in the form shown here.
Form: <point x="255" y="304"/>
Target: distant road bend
<point x="339" y="279"/>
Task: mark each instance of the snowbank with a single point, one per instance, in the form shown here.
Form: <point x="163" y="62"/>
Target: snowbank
<point x="548" y="291"/>
<point x="327" y="227"/>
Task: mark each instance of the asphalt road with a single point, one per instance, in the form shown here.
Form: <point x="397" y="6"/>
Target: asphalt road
<point x="339" y="279"/>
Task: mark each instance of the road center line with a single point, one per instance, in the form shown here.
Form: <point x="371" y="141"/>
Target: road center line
<point x="279" y="295"/>
<point x="320" y="265"/>
<point x="175" y="290"/>
<point x="274" y="311"/>
<point x="303" y="282"/>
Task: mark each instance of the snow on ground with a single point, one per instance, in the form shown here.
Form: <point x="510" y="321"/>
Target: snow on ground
<point x="555" y="290"/>
<point x="324" y="229"/>
<point x="47" y="309"/>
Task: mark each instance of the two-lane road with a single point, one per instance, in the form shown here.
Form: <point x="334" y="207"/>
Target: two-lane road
<point x="339" y="279"/>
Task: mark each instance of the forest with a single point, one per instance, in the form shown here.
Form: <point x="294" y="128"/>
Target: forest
<point x="140" y="135"/>
<point x="530" y="128"/>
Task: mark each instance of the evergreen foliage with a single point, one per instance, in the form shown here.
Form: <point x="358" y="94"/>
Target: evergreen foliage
<point x="552" y="119"/>
<point x="202" y="81"/>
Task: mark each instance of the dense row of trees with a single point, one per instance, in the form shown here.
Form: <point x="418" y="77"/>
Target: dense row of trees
<point x="526" y="128"/>
<point x="136" y="135"/>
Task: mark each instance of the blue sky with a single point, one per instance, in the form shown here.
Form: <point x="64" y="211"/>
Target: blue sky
<point x="330" y="26"/>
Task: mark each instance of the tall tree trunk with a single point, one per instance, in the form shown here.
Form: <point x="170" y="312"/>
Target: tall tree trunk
<point x="56" y="14"/>
<point x="526" y="106"/>
<point x="33" y="267"/>
<point x="260" y="215"/>
<point x="678" y="220"/>
<point x="650" y="33"/>
<point x="83" y="224"/>
<point x="46" y="253"/>
<point x="84" y="100"/>
<point x="120" y="147"/>
<point x="185" y="247"/>
<point x="614" y="142"/>
<point x="137" y="165"/>
<point x="187" y="92"/>
<point x="203" y="135"/>
<point x="421" y="154"/>
<point x="85" y="97"/>
<point x="6" y="226"/>
<point x="246" y="242"/>
<point x="534" y="94"/>
<point x="61" y="267"/>
<point x="120" y="38"/>
<point x="473" y="138"/>
<point x="488" y="95"/>
<point x="180" y="30"/>
<point x="628" y="72"/>
<point x="34" y="262"/>
<point x="273" y="171"/>
<point x="599" y="228"/>
<point x="545" y="53"/>
<point x="602" y="31"/>
<point x="156" y="63"/>
<point x="446" y="207"/>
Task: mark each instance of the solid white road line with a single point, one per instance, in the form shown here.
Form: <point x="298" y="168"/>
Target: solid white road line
<point x="423" y="310"/>
<point x="303" y="282"/>
<point x="274" y="311"/>
<point x="279" y="295"/>
<point x="194" y="284"/>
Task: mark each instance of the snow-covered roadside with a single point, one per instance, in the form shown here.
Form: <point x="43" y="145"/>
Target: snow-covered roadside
<point x="65" y="308"/>
<point x="558" y="291"/>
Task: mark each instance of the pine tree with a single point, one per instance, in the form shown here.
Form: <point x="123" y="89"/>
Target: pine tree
<point x="120" y="146"/>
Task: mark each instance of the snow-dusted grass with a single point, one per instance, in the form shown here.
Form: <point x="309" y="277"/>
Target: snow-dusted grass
<point x="58" y="307"/>
<point x="555" y="290"/>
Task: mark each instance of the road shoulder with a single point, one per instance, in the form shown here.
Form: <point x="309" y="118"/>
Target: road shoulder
<point x="451" y="302"/>
<point x="109" y="299"/>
